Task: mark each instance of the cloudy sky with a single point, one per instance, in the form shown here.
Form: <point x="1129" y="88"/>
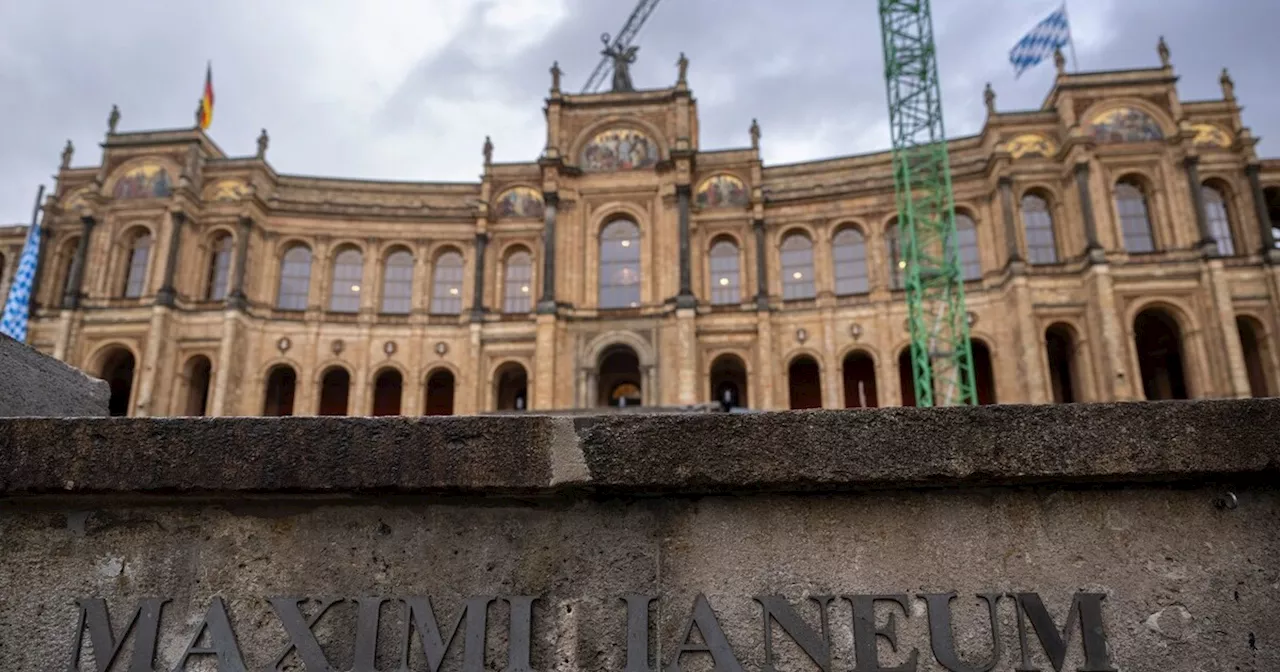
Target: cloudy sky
<point x="407" y="89"/>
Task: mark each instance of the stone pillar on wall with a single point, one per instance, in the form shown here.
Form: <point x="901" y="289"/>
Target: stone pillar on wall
<point x="1029" y="342"/>
<point x="1223" y="327"/>
<point x="688" y="372"/>
<point x="544" y="364"/>
<point x="547" y="304"/>
<point x="685" y="298"/>
<point x="156" y="345"/>
<point x="764" y="386"/>
<point x="1267" y="235"/>
<point x="73" y="292"/>
<point x="831" y="381"/>
<point x="762" y="279"/>
<point x="220" y="404"/>
<point x="1010" y="228"/>
<point x="477" y="296"/>
<point x="168" y="292"/>
<point x="1092" y="248"/>
<point x="1114" y="382"/>
<point x="1208" y="246"/>
<point x="236" y="297"/>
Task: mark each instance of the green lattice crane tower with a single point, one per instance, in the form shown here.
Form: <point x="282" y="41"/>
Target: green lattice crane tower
<point x="941" y="357"/>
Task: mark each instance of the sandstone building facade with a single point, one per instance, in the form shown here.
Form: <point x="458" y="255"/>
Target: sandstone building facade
<point x="1118" y="244"/>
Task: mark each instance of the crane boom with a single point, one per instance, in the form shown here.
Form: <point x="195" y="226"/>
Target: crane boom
<point x="621" y="41"/>
<point x="941" y="355"/>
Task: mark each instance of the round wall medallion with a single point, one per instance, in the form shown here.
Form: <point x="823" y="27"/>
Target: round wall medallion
<point x="442" y="348"/>
<point x="802" y="335"/>
<point x="284" y="344"/>
<point x="337" y="346"/>
<point x="855" y="330"/>
<point x="389" y="347"/>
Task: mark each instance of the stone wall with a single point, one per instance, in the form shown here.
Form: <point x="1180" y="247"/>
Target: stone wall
<point x="1154" y="526"/>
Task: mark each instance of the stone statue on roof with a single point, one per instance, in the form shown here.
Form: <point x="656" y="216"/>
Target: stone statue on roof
<point x="683" y="65"/>
<point x="488" y="150"/>
<point x="262" y="144"/>
<point x="989" y="97"/>
<point x="66" y="154"/>
<point x="113" y="120"/>
<point x="622" y="60"/>
<point x="755" y="134"/>
<point x="555" y="76"/>
<point x="1162" y="48"/>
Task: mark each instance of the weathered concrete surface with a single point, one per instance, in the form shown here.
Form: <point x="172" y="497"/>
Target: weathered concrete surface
<point x="821" y="450"/>
<point x="37" y="385"/>
<point x="1169" y="510"/>
<point x="1188" y="586"/>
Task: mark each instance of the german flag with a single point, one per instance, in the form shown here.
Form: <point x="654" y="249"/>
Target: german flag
<point x="206" y="101"/>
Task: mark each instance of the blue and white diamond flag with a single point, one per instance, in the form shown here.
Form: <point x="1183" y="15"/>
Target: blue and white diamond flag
<point x="1048" y="36"/>
<point x="14" y="322"/>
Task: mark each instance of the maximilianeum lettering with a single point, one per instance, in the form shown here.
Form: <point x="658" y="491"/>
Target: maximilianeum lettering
<point x="1044" y="641"/>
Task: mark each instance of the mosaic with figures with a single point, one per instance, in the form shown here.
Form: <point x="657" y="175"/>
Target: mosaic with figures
<point x="520" y="202"/>
<point x="619" y="150"/>
<point x="150" y="180"/>
<point x="721" y="191"/>
<point x="1125" y="124"/>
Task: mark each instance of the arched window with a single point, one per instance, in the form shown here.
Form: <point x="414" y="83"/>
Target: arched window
<point x="282" y="382"/>
<point x="1135" y="218"/>
<point x="446" y="286"/>
<point x="135" y="279"/>
<point x="335" y="391"/>
<point x="726" y="276"/>
<point x="118" y="369"/>
<point x="1158" y="339"/>
<point x="859" y="381"/>
<point x="1257" y="355"/>
<point x="1060" y="347"/>
<point x="295" y="278"/>
<point x="984" y="374"/>
<point x="387" y="388"/>
<point x="219" y="268"/>
<point x="620" y="265"/>
<point x="348" y="269"/>
<point x="1037" y="222"/>
<point x="66" y="261"/>
<point x="849" y="255"/>
<point x="397" y="283"/>
<point x="512" y="388"/>
<point x="797" y="267"/>
<point x="439" y="393"/>
<point x="804" y="383"/>
<point x="1215" y="210"/>
<point x="517" y="287"/>
<point x="967" y="247"/>
<point x="198" y="372"/>
<point x="897" y="263"/>
<point x="729" y="382"/>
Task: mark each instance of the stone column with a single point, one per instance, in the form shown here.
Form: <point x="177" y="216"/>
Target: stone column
<point x="236" y="298"/>
<point x="1114" y="382"/>
<point x="1029" y="343"/>
<point x="151" y="355"/>
<point x="761" y="390"/>
<point x="477" y="296"/>
<point x="688" y="373"/>
<point x="1208" y="246"/>
<point x="1010" y="228"/>
<point x="218" y="405"/>
<point x="1086" y="209"/>
<point x="168" y="293"/>
<point x="685" y="299"/>
<point x="544" y="364"/>
<point x="75" y="280"/>
<point x="1224" y="328"/>
<point x="1260" y="207"/>
<point x="547" y="304"/>
<point x="762" y="284"/>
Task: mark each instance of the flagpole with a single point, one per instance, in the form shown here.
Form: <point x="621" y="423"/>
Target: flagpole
<point x="1071" y="40"/>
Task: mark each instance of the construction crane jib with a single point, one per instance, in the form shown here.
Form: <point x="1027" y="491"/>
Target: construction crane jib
<point x="929" y="259"/>
<point x="619" y="43"/>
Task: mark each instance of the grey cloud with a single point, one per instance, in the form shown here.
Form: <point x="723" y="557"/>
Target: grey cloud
<point x="64" y="63"/>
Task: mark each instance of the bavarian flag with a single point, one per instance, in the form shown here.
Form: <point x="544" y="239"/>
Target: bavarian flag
<point x="206" y="100"/>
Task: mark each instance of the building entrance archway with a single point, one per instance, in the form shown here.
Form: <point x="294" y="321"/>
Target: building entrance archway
<point x="729" y="382"/>
<point x="804" y="383"/>
<point x="118" y="366"/>
<point x="620" y="381"/>
<point x="1160" y="360"/>
<point x="511" y="388"/>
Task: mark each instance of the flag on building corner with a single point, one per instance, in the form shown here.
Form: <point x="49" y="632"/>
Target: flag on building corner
<point x="206" y="100"/>
<point x="1048" y="36"/>
<point x="18" y="304"/>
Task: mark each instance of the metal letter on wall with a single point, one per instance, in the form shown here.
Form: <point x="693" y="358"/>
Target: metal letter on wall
<point x="106" y="647"/>
<point x="638" y="632"/>
<point x="775" y="608"/>
<point x="300" y="630"/>
<point x="419" y="612"/>
<point x="222" y="641"/>
<point x="943" y="641"/>
<point x="714" y="641"/>
<point x="1085" y="607"/>
<point x="865" y="633"/>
